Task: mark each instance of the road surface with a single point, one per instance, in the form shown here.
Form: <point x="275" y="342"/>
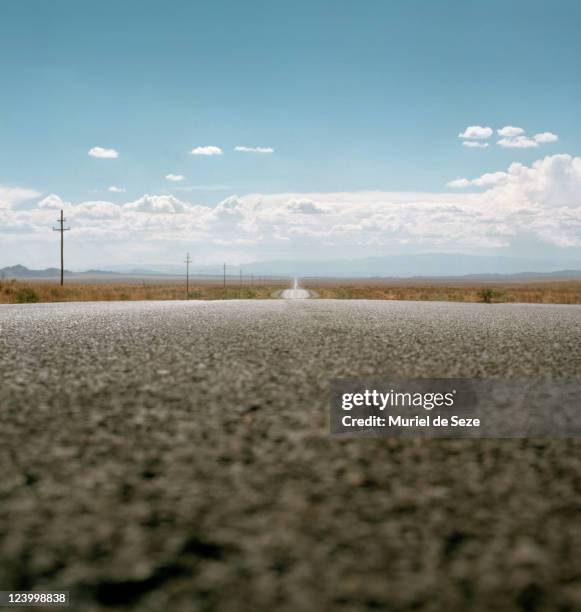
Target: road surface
<point x="296" y="293"/>
<point x="175" y="456"/>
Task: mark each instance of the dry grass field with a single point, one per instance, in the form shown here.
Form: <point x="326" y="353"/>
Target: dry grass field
<point x="539" y="292"/>
<point x="542" y="292"/>
<point x="21" y="291"/>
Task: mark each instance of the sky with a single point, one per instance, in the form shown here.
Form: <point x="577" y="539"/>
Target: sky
<point x="265" y="130"/>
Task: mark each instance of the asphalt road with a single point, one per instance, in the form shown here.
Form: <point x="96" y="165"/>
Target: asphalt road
<point x="175" y="456"/>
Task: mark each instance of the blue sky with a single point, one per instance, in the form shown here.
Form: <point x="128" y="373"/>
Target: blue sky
<point x="351" y="96"/>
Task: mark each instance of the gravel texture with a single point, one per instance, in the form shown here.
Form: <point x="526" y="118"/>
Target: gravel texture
<point x="175" y="456"/>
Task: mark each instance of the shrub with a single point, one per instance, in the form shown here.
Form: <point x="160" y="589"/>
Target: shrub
<point x="344" y="293"/>
<point x="25" y="295"/>
<point x="487" y="294"/>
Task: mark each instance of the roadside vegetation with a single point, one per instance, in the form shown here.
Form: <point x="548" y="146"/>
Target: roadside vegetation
<point x="544" y="292"/>
<point x="25" y="292"/>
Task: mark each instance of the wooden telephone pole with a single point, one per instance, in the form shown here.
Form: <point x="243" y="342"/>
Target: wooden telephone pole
<point x="62" y="229"/>
<point x="188" y="262"/>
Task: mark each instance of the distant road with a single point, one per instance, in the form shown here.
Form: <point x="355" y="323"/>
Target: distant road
<point x="296" y="293"/>
<point x="175" y="456"/>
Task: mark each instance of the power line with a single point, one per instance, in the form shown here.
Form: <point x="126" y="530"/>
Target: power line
<point x="62" y="229"/>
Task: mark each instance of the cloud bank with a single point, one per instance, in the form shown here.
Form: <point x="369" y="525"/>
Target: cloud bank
<point x="12" y="196"/>
<point x="541" y="202"/>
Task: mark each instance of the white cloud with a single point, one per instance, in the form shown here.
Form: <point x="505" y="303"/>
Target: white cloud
<point x="53" y="202"/>
<point x="94" y="210"/>
<point x="114" y="189"/>
<point x="516" y="138"/>
<point x="11" y="196"/>
<point x="474" y="144"/>
<point x="206" y="150"/>
<point x="459" y="183"/>
<point x="305" y="207"/>
<point x="476" y="132"/>
<point x="512" y="137"/>
<point x="254" y="149"/>
<point x="165" y="204"/>
<point x="175" y="177"/>
<point x="545" y="137"/>
<point x="518" y="142"/>
<point x="509" y="131"/>
<point x="490" y="178"/>
<point x="102" y="153"/>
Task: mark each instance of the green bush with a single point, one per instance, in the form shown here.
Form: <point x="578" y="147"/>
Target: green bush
<point x="25" y="295"/>
<point x="487" y="295"/>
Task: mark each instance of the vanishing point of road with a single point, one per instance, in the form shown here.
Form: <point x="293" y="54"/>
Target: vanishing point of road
<point x="176" y="456"/>
<point x="296" y="293"/>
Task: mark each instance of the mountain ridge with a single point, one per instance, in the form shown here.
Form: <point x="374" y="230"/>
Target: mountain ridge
<point x="422" y="266"/>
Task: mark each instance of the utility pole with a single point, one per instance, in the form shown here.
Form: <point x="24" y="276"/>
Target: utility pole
<point x="62" y="229"/>
<point x="188" y="262"/>
<point x="224" y="276"/>
<point x="240" y="285"/>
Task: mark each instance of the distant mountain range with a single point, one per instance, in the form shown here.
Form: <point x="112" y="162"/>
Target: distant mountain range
<point x="19" y="271"/>
<point x="442" y="265"/>
<point x="399" y="266"/>
<point x="426" y="264"/>
<point x="24" y="272"/>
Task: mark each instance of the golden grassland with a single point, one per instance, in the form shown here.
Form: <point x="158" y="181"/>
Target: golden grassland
<point x="21" y="291"/>
<point x="540" y="292"/>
